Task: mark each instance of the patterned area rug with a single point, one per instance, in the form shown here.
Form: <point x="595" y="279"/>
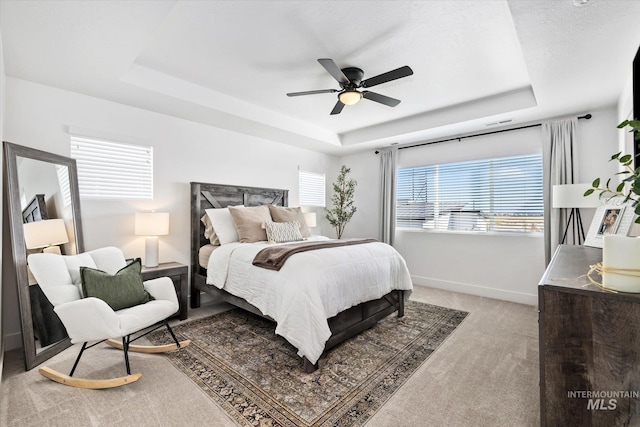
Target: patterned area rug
<point x="257" y="377"/>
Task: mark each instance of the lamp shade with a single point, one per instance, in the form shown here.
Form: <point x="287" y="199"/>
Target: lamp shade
<point x="152" y="223"/>
<point x="310" y="219"/>
<point x="350" y="97"/>
<point x="572" y="196"/>
<point x="49" y="232"/>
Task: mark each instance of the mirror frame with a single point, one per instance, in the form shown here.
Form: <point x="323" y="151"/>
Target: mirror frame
<point x="18" y="252"/>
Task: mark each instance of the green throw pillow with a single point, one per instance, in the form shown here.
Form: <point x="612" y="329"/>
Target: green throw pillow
<point x="123" y="289"/>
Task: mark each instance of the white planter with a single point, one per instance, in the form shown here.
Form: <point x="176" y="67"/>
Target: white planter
<point x="621" y="263"/>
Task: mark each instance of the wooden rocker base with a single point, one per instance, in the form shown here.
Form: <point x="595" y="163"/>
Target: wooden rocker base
<point x="148" y="348"/>
<point x="87" y="383"/>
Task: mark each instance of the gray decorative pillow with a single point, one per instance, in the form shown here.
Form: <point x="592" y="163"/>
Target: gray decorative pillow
<point x="280" y="232"/>
<point x="122" y="290"/>
<point x="281" y="214"/>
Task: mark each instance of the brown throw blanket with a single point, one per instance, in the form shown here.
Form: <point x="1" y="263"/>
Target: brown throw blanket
<point x="274" y="257"/>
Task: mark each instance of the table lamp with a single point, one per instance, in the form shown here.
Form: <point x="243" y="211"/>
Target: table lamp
<point x="151" y="225"/>
<point x="46" y="234"/>
<point x="310" y="219"/>
<point x="571" y="196"/>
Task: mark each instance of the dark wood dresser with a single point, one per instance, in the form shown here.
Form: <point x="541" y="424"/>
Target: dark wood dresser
<point x="589" y="346"/>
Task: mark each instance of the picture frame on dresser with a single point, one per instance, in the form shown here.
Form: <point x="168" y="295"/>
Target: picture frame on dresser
<point x="613" y="217"/>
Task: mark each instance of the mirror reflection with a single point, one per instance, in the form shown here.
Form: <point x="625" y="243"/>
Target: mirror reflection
<point x="47" y="216"/>
<point x="42" y="215"/>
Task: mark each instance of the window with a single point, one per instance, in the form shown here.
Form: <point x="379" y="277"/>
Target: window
<point x="496" y="195"/>
<point x="311" y="188"/>
<point x="63" y="181"/>
<point x="113" y="170"/>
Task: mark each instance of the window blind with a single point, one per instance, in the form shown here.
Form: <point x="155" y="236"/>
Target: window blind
<point x="311" y="188"/>
<point x="63" y="181"/>
<point x="113" y="170"/>
<point x="495" y="195"/>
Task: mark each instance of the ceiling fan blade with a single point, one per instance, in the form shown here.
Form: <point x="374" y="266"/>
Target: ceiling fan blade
<point x="333" y="69"/>
<point x="337" y="108"/>
<point x="313" y="92"/>
<point x="372" y="96"/>
<point x="398" y="73"/>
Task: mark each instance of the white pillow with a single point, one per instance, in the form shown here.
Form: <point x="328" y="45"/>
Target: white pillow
<point x="223" y="225"/>
<point x="74" y="262"/>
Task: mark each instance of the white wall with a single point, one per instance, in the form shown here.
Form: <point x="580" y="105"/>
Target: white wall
<point x="497" y="266"/>
<point x="2" y="97"/>
<point x="38" y="116"/>
<point x="598" y="141"/>
<point x="365" y="170"/>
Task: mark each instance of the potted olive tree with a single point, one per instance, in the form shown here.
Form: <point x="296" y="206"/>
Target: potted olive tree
<point x="343" y="209"/>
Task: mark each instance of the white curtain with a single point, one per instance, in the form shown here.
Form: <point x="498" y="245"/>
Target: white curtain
<point x="388" y="165"/>
<point x="560" y="167"/>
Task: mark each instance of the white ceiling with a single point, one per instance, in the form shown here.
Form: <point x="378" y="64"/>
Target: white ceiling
<point x="230" y="63"/>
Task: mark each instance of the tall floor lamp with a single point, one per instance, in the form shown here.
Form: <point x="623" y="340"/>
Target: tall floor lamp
<point x="571" y="196"/>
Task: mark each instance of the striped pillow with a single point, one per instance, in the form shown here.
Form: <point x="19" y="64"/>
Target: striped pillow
<point x="280" y="232"/>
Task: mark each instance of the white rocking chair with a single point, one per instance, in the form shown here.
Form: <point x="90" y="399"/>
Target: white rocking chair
<point x="91" y="319"/>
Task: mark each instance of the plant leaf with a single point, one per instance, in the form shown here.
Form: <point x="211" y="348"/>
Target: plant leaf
<point x="596" y="183"/>
<point x="625" y="158"/>
<point x="589" y="192"/>
<point x="620" y="187"/>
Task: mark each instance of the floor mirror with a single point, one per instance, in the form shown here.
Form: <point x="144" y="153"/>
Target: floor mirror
<point x="41" y="214"/>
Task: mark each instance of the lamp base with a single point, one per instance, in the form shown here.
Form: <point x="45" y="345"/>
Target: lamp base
<point x="53" y="249"/>
<point x="575" y="222"/>
<point x="151" y="251"/>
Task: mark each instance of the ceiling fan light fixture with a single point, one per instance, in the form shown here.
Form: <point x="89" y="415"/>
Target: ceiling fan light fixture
<point x="349" y="97"/>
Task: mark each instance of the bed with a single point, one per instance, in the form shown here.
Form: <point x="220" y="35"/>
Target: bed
<point x="341" y="325"/>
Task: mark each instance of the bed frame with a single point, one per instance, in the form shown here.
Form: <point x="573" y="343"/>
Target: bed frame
<point x="343" y="326"/>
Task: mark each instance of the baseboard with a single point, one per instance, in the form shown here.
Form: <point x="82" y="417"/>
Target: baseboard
<point x="12" y="341"/>
<point x="482" y="291"/>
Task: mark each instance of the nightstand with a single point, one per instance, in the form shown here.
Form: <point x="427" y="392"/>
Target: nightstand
<point x="178" y="273"/>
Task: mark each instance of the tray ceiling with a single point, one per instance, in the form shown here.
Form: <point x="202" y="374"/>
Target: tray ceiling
<point x="230" y="64"/>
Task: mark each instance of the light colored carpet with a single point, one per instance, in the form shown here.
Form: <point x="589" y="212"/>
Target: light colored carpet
<point x="486" y="373"/>
<point x="257" y="376"/>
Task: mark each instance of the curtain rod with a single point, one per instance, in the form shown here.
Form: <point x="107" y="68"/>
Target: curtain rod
<point x="458" y="138"/>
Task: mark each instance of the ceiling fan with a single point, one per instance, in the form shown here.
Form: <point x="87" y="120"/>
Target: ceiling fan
<point x="350" y="80"/>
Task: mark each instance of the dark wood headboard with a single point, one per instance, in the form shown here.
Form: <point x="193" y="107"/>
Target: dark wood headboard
<point x="36" y="210"/>
<point x="207" y="196"/>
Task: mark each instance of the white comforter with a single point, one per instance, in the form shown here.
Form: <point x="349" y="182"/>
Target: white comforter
<point x="311" y="287"/>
